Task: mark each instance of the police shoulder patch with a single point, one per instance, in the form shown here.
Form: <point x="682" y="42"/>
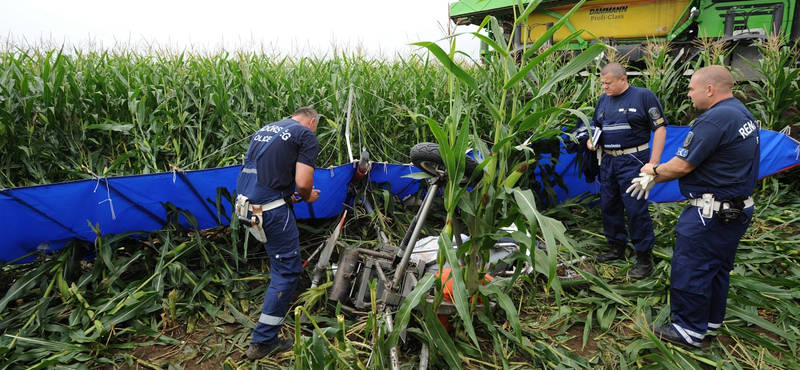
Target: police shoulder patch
<point x="682" y="152"/>
<point x="654" y="113"/>
<point x="688" y="139"/>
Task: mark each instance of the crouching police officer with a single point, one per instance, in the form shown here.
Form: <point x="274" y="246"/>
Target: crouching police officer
<point x="718" y="168"/>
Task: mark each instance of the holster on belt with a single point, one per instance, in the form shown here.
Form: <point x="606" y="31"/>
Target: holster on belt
<point x="251" y="216"/>
<point x="726" y="210"/>
<point x="708" y="205"/>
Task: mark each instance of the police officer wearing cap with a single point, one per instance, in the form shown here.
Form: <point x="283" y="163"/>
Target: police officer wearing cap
<point x="626" y="116"/>
<point x="717" y="168"/>
<point x="278" y="172"/>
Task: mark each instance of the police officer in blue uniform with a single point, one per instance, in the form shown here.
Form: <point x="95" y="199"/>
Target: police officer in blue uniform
<point x="280" y="158"/>
<point x="718" y="168"/>
<point x="626" y="115"/>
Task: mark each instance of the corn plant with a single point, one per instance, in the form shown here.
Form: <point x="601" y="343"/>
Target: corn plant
<point x="68" y="312"/>
<point x="119" y="112"/>
<point x="778" y="90"/>
<point x="663" y="74"/>
<point x="710" y="52"/>
<point x="65" y="311"/>
<point x="497" y="201"/>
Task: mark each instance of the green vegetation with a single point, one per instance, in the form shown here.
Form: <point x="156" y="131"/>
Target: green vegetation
<point x="117" y="112"/>
<point x="178" y="298"/>
<point x="777" y="93"/>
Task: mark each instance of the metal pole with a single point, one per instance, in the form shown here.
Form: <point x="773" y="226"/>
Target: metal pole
<point x="730" y="20"/>
<point x="381" y="274"/>
<point x="395" y="361"/>
<point x="347" y="125"/>
<point x="325" y="257"/>
<point x="374" y="253"/>
<point x="398" y="276"/>
<point x="777" y="20"/>
<point x="423" y="357"/>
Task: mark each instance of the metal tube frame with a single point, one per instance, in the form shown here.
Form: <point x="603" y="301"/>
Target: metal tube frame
<point x="423" y="213"/>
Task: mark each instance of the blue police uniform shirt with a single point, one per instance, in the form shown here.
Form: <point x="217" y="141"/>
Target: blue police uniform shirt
<point x="277" y="166"/>
<point x="628" y="118"/>
<point x="723" y="144"/>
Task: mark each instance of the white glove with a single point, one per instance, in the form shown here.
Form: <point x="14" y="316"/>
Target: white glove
<point x="641" y="186"/>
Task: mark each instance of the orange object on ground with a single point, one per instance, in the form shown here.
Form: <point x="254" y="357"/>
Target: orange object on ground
<point x="447" y="283"/>
<point x="447" y="289"/>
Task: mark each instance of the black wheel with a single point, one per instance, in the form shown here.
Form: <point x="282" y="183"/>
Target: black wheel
<point x="427" y="158"/>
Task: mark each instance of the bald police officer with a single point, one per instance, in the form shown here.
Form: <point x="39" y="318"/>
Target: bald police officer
<point x="718" y="168"/>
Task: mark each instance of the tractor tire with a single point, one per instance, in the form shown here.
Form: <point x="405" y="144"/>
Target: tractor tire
<point x="427" y="158"/>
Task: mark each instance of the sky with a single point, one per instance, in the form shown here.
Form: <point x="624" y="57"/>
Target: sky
<point x="291" y="27"/>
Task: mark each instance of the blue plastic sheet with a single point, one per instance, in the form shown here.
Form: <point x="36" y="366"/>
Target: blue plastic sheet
<point x="48" y="216"/>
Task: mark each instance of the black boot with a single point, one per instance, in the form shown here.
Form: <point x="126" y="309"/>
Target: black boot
<point x="617" y="252"/>
<point x="643" y="267"/>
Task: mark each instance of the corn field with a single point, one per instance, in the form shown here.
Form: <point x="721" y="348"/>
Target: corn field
<point x="188" y="299"/>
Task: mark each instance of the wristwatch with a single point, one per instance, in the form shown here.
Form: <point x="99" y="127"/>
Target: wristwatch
<point x="655" y="169"/>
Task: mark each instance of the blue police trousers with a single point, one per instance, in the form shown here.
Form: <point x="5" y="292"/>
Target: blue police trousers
<point x="283" y="248"/>
<point x="705" y="250"/>
<point x="616" y="174"/>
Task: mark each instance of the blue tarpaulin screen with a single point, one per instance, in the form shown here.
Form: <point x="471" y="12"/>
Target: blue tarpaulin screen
<point x="48" y="216"/>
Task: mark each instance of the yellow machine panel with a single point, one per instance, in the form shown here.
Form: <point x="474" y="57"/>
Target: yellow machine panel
<point x="611" y="19"/>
